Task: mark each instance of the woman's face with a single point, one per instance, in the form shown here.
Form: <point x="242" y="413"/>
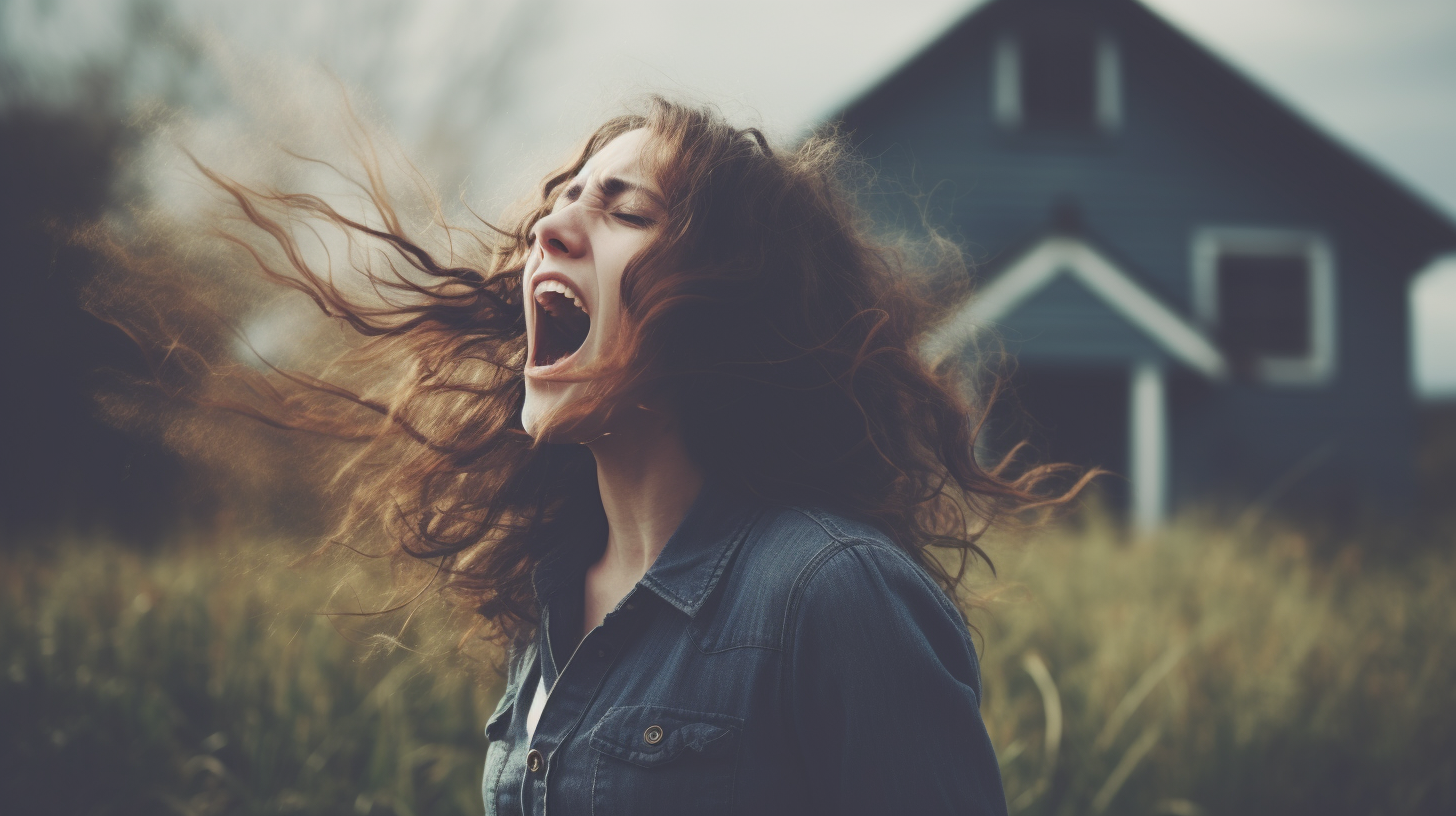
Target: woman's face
<point x="601" y="220"/>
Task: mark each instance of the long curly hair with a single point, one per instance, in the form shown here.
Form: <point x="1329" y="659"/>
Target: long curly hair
<point x="787" y="336"/>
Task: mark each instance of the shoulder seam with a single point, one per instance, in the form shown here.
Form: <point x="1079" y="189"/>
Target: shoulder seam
<point x="796" y="591"/>
<point x="848" y="540"/>
<point x="840" y="541"/>
<point x="834" y="531"/>
<point x="843" y="541"/>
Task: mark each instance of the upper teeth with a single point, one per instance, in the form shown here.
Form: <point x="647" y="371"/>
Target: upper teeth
<point x="560" y="288"/>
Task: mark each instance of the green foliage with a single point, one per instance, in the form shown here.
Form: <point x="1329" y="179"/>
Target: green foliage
<point x="1195" y="672"/>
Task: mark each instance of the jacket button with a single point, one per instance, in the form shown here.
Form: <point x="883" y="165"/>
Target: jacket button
<point x="653" y="734"/>
<point x="534" y="761"/>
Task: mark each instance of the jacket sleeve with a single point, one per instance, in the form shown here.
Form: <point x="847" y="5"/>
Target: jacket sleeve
<point x="884" y="690"/>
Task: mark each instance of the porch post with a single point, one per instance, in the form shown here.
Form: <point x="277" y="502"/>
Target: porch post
<point x="1147" y="435"/>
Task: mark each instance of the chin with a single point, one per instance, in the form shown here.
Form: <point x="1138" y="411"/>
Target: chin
<point x="530" y="420"/>
<point x="537" y="407"/>
<point x="544" y="401"/>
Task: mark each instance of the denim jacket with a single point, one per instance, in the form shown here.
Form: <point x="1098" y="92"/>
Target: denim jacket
<point x="772" y="661"/>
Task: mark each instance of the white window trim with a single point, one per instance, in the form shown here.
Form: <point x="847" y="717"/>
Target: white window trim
<point x="1006" y="82"/>
<point x="1109" y="84"/>
<point x="1315" y="368"/>
<point x="1006" y="104"/>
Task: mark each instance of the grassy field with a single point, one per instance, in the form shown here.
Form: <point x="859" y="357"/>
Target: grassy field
<point x="1206" y="672"/>
<point x="197" y="683"/>
<point x="1199" y="672"/>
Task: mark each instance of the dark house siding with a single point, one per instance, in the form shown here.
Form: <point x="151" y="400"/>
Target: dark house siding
<point x="1064" y="324"/>
<point x="1199" y="146"/>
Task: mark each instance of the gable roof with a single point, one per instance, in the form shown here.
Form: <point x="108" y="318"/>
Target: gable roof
<point x="1062" y="255"/>
<point x="1394" y="195"/>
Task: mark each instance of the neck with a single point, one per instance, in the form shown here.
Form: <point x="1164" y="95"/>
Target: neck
<point x="647" y="484"/>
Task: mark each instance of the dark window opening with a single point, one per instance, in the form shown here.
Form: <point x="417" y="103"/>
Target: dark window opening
<point x="1059" y="78"/>
<point x="1074" y="414"/>
<point x="1263" y="307"/>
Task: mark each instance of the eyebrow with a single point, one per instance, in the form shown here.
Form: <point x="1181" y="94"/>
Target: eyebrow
<point x="613" y="187"/>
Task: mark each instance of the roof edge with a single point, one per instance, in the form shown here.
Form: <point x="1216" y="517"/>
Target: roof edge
<point x="833" y="112"/>
<point x="1045" y="262"/>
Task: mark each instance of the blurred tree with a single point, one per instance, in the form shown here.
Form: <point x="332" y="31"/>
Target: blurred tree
<point x="63" y="136"/>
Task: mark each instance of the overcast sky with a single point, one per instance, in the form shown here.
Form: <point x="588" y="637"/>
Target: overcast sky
<point x="495" y="90"/>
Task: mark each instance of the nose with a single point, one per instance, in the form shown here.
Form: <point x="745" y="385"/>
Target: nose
<point x="560" y="234"/>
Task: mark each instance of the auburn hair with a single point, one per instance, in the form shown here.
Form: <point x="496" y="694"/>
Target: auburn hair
<point x="785" y="334"/>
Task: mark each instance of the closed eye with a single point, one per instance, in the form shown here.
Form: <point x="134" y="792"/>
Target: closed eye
<point x="632" y="219"/>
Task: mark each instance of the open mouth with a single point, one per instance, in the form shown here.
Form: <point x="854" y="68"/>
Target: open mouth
<point x="561" y="323"/>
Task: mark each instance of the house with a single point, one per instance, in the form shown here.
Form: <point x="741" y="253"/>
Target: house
<point x="1203" y="291"/>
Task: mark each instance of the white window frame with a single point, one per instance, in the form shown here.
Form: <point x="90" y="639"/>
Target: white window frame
<point x="1006" y="103"/>
<point x="1109" y="83"/>
<point x="1006" y="82"/>
<point x="1318" y="366"/>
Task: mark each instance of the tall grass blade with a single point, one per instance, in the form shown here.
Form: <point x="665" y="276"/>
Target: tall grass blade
<point x="1177" y="807"/>
<point x="1051" y="702"/>
<point x="1124" y="769"/>
<point x="1135" y="695"/>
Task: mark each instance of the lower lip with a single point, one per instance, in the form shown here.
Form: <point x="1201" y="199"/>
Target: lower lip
<point x="547" y="370"/>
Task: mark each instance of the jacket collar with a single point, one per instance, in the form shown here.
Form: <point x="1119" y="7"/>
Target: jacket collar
<point x="691" y="564"/>
<point x="685" y="572"/>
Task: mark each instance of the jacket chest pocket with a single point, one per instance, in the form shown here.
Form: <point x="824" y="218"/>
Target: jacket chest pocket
<point x="656" y="760"/>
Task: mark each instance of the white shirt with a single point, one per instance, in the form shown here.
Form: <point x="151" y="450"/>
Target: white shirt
<point x="533" y="715"/>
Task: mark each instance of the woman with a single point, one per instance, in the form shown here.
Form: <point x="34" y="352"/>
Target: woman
<point x="674" y="442"/>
